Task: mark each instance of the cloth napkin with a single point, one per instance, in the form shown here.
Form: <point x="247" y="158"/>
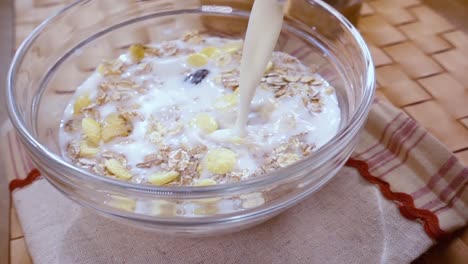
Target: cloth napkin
<point x="400" y="193"/>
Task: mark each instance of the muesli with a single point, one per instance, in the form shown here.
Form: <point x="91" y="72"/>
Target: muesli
<point x="153" y="115"/>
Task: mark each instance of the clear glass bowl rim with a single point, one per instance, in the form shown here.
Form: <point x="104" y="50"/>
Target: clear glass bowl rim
<point x="345" y="134"/>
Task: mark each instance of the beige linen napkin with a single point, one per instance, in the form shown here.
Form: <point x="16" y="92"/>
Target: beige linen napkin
<point x="347" y="221"/>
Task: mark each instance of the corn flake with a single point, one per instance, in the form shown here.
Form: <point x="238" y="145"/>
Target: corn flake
<point x="92" y="131"/>
<point x="161" y="178"/>
<point x="220" y="160"/>
<point x="117" y="169"/>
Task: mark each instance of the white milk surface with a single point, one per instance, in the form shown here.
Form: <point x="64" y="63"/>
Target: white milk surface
<point x="175" y="102"/>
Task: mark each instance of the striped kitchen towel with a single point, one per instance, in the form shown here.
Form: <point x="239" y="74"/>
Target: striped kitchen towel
<point x="399" y="152"/>
<point x="399" y="193"/>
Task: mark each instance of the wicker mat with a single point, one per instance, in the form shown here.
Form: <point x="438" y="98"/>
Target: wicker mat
<point x="421" y="58"/>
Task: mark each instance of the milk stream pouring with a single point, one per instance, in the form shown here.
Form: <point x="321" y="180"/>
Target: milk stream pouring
<point x="262" y="34"/>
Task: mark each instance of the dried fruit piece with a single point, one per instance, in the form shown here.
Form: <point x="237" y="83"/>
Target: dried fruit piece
<point x="87" y="151"/>
<point x="81" y="102"/>
<point x="205" y="182"/>
<point x="220" y="160"/>
<point x="114" y="126"/>
<point x="117" y="169"/>
<point x="137" y="52"/>
<point x="197" y="59"/>
<point x="205" y="123"/>
<point x="161" y="178"/>
<point x="197" y="77"/>
<point x="211" y="52"/>
<point x="92" y="131"/>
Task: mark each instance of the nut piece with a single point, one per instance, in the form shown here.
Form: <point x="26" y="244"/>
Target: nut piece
<point x="114" y="126"/>
<point x="210" y="52"/>
<point x="220" y="161"/>
<point x="205" y="182"/>
<point x="81" y="102"/>
<point x="92" y="131"/>
<point x="117" y="169"/>
<point x="86" y="151"/>
<point x="205" y="123"/>
<point x="161" y="178"/>
<point x="137" y="52"/>
<point x="197" y="59"/>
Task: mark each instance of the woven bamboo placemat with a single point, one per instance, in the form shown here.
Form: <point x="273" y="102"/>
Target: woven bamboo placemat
<point x="421" y="58"/>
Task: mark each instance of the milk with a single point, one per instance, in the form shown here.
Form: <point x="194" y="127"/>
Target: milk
<point x="266" y="19"/>
<point x="254" y="121"/>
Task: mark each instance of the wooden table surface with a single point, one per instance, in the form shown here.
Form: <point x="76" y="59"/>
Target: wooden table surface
<point x="420" y="48"/>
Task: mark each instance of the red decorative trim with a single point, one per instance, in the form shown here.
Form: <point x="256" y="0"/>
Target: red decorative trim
<point x="19" y="183"/>
<point x="404" y="201"/>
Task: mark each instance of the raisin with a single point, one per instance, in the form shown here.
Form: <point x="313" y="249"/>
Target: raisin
<point x="197" y="77"/>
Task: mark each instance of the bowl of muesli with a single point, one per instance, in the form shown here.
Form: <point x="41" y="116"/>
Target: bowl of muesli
<point x="123" y="106"/>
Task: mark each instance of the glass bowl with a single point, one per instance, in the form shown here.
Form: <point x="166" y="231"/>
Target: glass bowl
<point x="66" y="48"/>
